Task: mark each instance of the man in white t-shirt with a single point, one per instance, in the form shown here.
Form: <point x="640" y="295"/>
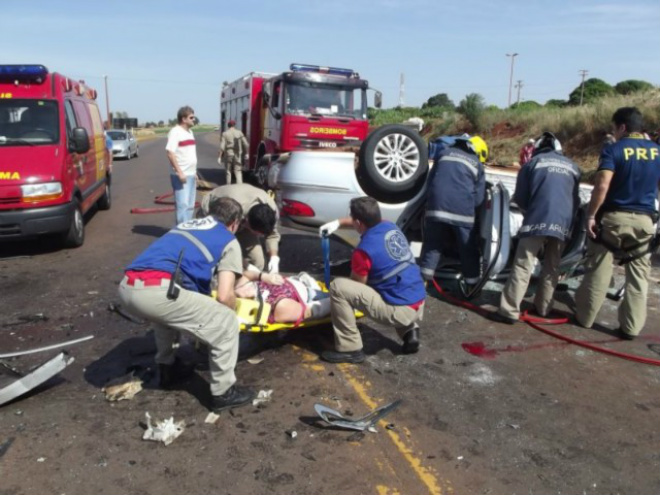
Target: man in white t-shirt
<point x="182" y="154"/>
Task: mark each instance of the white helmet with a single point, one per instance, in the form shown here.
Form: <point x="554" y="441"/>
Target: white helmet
<point x="547" y="142"/>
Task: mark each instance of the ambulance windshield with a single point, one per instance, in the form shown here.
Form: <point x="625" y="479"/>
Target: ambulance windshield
<point x="326" y="100"/>
<point x="28" y="122"/>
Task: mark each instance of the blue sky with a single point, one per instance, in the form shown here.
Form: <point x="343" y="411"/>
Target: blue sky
<point x="159" y="55"/>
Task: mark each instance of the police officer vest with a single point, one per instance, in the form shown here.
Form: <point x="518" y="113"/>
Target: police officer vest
<point x="394" y="274"/>
<point x="202" y="241"/>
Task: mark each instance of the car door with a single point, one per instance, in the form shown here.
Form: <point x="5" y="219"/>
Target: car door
<point x="495" y="235"/>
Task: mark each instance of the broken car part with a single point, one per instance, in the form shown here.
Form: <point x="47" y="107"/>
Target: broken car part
<point x="32" y="380"/>
<point x="46" y="348"/>
<point x="335" y="418"/>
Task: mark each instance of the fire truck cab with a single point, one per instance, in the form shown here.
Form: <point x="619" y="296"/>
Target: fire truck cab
<point x="306" y="108"/>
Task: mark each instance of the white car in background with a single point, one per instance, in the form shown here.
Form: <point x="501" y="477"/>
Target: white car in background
<point x="124" y="144"/>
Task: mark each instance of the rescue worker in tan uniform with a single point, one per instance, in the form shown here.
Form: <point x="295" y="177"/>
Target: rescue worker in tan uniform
<point x="233" y="150"/>
<point x="259" y="220"/>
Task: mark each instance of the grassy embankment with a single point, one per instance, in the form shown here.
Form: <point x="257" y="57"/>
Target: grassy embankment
<point x="581" y="130"/>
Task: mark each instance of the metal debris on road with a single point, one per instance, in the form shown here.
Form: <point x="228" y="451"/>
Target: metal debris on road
<point x="46" y="348"/>
<point x="165" y="431"/>
<point x="116" y="308"/>
<point x="4" y="446"/>
<point x="335" y="418"/>
<point x="38" y="376"/>
<point x="123" y="388"/>
<point x="262" y="397"/>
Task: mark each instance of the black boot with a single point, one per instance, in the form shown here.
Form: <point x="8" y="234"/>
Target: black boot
<point x="171" y="374"/>
<point x="352" y="357"/>
<point x="411" y="341"/>
<point x="234" y="397"/>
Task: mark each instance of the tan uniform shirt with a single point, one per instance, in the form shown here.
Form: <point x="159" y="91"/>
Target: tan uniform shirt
<point x="233" y="143"/>
<point x="247" y="196"/>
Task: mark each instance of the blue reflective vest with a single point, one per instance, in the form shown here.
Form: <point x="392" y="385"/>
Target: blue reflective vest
<point x="456" y="187"/>
<point x="202" y="241"/>
<point x="547" y="190"/>
<point x="394" y="274"/>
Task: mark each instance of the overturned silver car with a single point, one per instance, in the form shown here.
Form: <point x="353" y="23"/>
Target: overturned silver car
<point x="313" y="188"/>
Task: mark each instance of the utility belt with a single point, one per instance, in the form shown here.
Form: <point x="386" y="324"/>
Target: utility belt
<point x="623" y="254"/>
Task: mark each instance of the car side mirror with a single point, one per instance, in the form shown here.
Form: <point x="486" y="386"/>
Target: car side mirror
<point x="79" y="141"/>
<point x="378" y="99"/>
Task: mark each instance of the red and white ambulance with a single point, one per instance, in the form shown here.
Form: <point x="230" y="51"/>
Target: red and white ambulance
<point x="54" y="162"/>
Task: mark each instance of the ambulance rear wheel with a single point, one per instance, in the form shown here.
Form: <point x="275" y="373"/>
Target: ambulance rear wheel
<point x="75" y="236"/>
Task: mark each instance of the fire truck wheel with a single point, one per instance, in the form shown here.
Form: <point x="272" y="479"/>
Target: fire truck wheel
<point x="393" y="160"/>
<point x="75" y="236"/>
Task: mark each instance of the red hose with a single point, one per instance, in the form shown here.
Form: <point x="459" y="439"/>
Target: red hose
<point x="159" y="200"/>
<point x="534" y="323"/>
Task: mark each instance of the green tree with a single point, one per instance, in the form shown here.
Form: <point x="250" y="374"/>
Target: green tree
<point x="632" y="86"/>
<point x="472" y="106"/>
<point x="556" y="103"/>
<point x="594" y="89"/>
<point x="439" y="100"/>
<point x="526" y="105"/>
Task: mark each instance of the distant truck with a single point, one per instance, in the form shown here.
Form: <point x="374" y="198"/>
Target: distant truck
<point x="321" y="109"/>
<point x="54" y="164"/>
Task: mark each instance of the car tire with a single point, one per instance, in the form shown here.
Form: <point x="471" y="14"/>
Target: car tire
<point x="137" y="151"/>
<point x="105" y="201"/>
<point x="393" y="160"/>
<point x="128" y="153"/>
<point x="75" y="236"/>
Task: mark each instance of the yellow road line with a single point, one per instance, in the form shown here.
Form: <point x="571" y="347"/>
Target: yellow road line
<point x="360" y="385"/>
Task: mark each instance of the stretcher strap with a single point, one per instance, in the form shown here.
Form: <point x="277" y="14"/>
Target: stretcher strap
<point x="325" y="246"/>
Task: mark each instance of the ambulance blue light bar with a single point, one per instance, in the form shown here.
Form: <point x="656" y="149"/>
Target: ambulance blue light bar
<point x="31" y="73"/>
<point x="335" y="71"/>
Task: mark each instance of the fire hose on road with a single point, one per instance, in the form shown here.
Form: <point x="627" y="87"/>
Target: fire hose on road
<point x="536" y="322"/>
<point x="159" y="200"/>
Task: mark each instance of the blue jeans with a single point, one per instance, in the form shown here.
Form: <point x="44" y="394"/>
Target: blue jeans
<point x="450" y="240"/>
<point x="184" y="197"/>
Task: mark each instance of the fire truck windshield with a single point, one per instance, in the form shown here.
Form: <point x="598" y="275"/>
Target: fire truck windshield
<point x="326" y="100"/>
<point x="28" y="122"/>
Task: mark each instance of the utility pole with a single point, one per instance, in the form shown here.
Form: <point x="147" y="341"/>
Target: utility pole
<point x="519" y="86"/>
<point x="402" y="91"/>
<point x="107" y="103"/>
<point x="583" y="73"/>
<point x="513" y="57"/>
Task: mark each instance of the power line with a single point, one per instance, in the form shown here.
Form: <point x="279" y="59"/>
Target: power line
<point x="519" y="86"/>
<point x="583" y="73"/>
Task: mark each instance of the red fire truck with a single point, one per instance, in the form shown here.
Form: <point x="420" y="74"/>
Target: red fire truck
<point x="306" y="108"/>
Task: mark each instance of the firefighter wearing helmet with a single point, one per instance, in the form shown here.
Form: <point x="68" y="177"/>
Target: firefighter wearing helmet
<point x="547" y="193"/>
<point x="456" y="188"/>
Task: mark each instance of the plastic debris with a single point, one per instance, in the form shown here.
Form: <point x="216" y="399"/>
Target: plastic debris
<point x="46" y="348"/>
<point x="262" y="397"/>
<point x="165" y="431"/>
<point x="335" y="418"/>
<point x="255" y="360"/>
<point x="292" y="433"/>
<point x="124" y="388"/>
<point x="211" y="418"/>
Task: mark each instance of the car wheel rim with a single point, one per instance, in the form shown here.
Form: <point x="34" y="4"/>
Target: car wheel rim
<point x="396" y="158"/>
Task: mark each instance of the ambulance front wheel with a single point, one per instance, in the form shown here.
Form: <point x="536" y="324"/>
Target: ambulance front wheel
<point x="75" y="236"/>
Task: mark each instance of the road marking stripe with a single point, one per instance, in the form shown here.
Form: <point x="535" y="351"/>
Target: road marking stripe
<point x="423" y="473"/>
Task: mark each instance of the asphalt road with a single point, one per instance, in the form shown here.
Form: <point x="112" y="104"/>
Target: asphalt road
<point x="486" y="408"/>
